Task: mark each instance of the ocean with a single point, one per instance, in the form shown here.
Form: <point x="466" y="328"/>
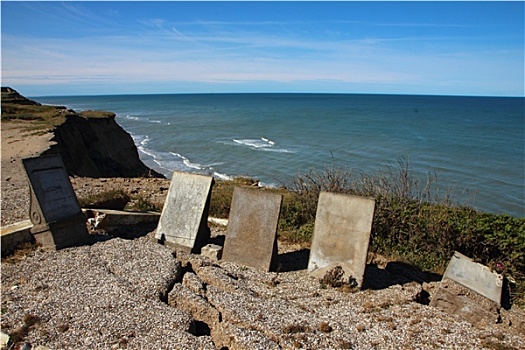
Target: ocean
<point x="475" y="145"/>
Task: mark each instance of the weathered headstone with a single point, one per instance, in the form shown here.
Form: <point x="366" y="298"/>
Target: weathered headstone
<point x="58" y="221"/>
<point x="341" y="236"/>
<point x="183" y="222"/>
<point x="251" y="239"/>
<point x="470" y="290"/>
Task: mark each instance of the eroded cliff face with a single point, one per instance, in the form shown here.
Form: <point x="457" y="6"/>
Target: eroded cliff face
<point x="91" y="143"/>
<point x="98" y="147"/>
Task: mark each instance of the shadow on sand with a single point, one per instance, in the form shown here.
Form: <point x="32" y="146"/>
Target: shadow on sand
<point x="375" y="277"/>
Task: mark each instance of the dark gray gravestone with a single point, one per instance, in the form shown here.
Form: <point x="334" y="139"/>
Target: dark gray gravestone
<point x="341" y="236"/>
<point x="58" y="221"/>
<point x="252" y="228"/>
<point x="184" y="219"/>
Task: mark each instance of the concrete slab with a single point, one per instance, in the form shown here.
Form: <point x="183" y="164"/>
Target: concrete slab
<point x="251" y="239"/>
<point x="218" y="221"/>
<point x="470" y="290"/>
<point x="109" y="219"/>
<point x="475" y="276"/>
<point x="14" y="235"/>
<point x="183" y="222"/>
<point x="212" y="251"/>
<point x="58" y="221"/>
<point x="341" y="236"/>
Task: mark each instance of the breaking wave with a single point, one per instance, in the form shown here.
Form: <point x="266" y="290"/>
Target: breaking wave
<point x="262" y="144"/>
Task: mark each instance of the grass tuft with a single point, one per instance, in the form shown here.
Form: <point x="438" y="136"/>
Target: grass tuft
<point x="110" y="199"/>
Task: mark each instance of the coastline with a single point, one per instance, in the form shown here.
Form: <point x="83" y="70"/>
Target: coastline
<point x="113" y="280"/>
<point x="363" y="134"/>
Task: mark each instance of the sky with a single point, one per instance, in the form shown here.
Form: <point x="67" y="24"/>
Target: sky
<point x="131" y="47"/>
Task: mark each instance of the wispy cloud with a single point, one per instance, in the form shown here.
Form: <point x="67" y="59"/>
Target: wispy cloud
<point x="114" y="58"/>
<point x="158" y="49"/>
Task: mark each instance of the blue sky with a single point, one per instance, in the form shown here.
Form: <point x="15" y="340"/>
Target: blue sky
<point x="443" y="48"/>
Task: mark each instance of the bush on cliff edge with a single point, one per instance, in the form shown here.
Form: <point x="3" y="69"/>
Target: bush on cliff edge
<point x="414" y="221"/>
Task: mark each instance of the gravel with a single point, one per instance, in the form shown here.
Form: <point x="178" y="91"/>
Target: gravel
<point x="114" y="294"/>
<point x="138" y="294"/>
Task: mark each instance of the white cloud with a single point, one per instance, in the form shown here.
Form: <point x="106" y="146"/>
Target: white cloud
<point x="221" y="57"/>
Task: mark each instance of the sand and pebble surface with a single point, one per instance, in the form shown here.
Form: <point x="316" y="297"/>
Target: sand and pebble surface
<point x="138" y="294"/>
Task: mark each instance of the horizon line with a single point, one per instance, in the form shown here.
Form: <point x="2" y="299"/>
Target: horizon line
<point x="275" y="93"/>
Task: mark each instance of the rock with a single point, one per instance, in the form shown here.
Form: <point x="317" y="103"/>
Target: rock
<point x="184" y="299"/>
<point x="229" y="336"/>
<point x="26" y="346"/>
<point x="454" y="298"/>
<point x="91" y="143"/>
<point x="212" y="251"/>
<point x="335" y="275"/>
<point x="4" y="339"/>
<point x="192" y="282"/>
<point x="98" y="147"/>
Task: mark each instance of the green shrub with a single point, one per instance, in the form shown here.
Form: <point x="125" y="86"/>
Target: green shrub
<point x="140" y="203"/>
<point x="94" y="114"/>
<point x="414" y="220"/>
<point x="222" y="193"/>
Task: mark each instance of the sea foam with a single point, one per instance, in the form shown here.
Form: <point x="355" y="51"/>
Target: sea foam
<point x="262" y="144"/>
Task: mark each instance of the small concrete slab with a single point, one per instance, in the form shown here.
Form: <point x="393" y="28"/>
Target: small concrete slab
<point x="14" y="235"/>
<point x="4" y="340"/>
<point x="341" y="236"/>
<point x="212" y="251"/>
<point x="58" y="221"/>
<point x="109" y="219"/>
<point x="251" y="239"/>
<point x="469" y="289"/>
<point x="183" y="222"/>
<point x="218" y="221"/>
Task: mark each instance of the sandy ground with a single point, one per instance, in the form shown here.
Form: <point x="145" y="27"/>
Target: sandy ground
<point x="18" y="144"/>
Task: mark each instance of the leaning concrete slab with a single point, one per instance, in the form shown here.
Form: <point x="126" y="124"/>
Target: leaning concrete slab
<point x="475" y="276"/>
<point x="470" y="290"/>
<point x="183" y="222"/>
<point x="341" y="236"/>
<point x="251" y="239"/>
<point x="58" y="221"/>
<point x="14" y="235"/>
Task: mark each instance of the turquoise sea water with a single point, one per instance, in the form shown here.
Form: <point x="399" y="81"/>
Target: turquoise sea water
<point x="474" y="144"/>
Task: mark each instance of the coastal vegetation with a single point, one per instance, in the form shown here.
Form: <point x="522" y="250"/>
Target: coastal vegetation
<point x="44" y="118"/>
<point x="40" y="118"/>
<point x="118" y="199"/>
<point x="415" y="220"/>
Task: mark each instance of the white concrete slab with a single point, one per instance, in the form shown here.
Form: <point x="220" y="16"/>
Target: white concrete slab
<point x="183" y="221"/>
<point x="341" y="235"/>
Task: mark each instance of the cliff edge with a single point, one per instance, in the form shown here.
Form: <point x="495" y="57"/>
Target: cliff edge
<point x="91" y="143"/>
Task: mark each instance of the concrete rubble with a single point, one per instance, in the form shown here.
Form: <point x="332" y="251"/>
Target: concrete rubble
<point x="470" y="290"/>
<point x="137" y="294"/>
